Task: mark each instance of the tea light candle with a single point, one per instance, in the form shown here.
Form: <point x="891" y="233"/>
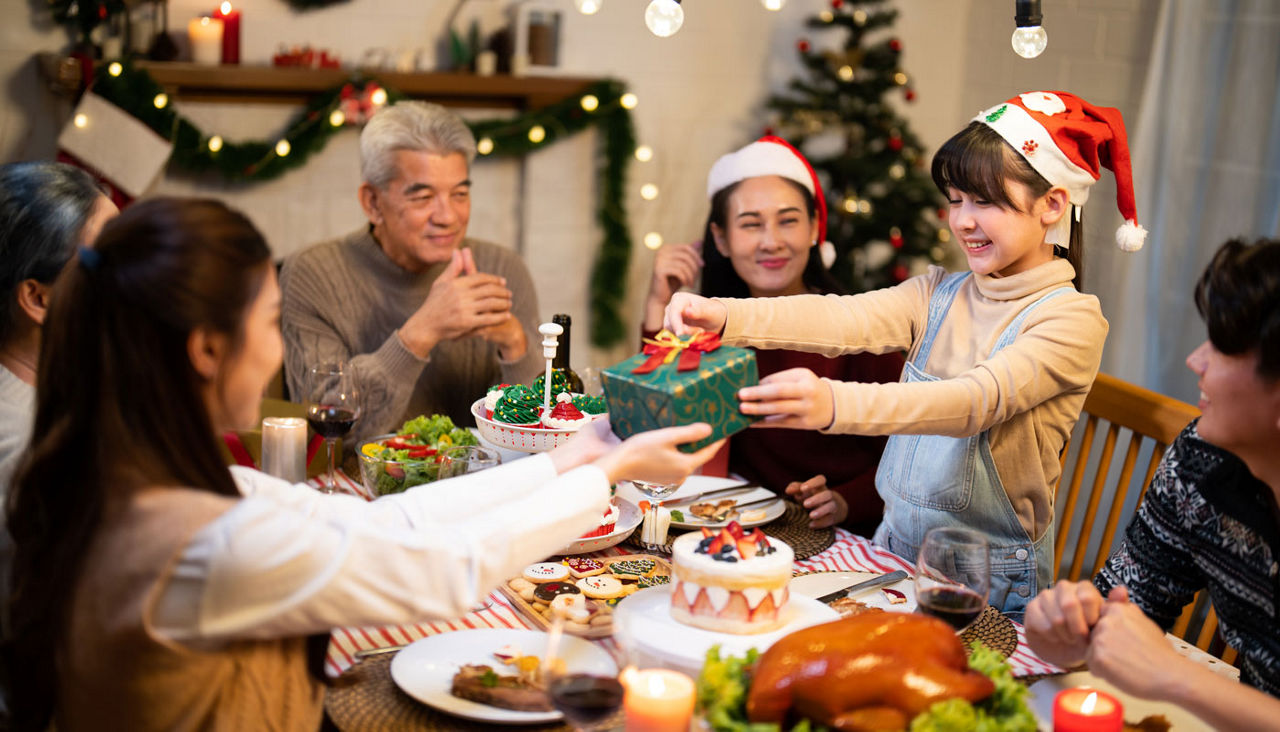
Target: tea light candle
<point x="284" y="448"/>
<point x="1087" y="710"/>
<point x="657" y="700"/>
<point x="205" y="34"/>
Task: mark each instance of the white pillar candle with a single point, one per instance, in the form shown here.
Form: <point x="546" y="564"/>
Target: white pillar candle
<point x="486" y="63"/>
<point x="205" y="35"/>
<point x="284" y="447"/>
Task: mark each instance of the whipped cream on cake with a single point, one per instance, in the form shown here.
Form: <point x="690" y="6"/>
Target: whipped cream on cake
<point x="564" y="416"/>
<point x="733" y="581"/>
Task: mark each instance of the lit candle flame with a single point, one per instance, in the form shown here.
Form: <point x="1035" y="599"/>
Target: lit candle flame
<point x="225" y="8"/>
<point x="1089" y="703"/>
<point x="657" y="685"/>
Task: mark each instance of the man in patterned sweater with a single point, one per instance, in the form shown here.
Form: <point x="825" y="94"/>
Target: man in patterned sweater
<point x="1209" y="521"/>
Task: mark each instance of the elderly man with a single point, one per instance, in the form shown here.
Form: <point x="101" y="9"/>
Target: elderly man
<point x="425" y="317"/>
<point x="1209" y="521"/>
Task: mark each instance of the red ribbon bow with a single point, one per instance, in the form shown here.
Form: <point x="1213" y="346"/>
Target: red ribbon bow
<point x="666" y="346"/>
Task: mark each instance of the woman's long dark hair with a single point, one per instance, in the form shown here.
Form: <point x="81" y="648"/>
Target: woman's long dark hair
<point x="118" y="406"/>
<point x="720" y="279"/>
<point x="977" y="160"/>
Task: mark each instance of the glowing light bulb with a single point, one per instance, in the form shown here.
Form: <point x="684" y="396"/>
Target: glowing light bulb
<point x="773" y="4"/>
<point x="845" y="73"/>
<point x="664" y="17"/>
<point x="484" y="146"/>
<point x="81" y="121"/>
<point x="648" y="191"/>
<point x="378" y="97"/>
<point x="644" y="153"/>
<point x="161" y="100"/>
<point x="826" y="16"/>
<point x="851" y="204"/>
<point x="897" y="171"/>
<point x="336" y="118"/>
<point x="900" y="79"/>
<point x="629" y="101"/>
<point x="537" y="134"/>
<point x="115" y="69"/>
<point x="590" y="103"/>
<point x="283" y="147"/>
<point x="215" y="143"/>
<point x="588" y="7"/>
<point x="653" y="240"/>
<point x="1029" y="41"/>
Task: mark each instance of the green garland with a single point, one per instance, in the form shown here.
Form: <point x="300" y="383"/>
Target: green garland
<point x="133" y="90"/>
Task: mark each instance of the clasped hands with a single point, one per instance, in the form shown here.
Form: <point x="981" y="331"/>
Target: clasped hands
<point x="465" y="302"/>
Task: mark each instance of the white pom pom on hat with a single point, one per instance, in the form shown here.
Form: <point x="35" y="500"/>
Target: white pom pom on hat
<point x="771" y="155"/>
<point x="1068" y="141"/>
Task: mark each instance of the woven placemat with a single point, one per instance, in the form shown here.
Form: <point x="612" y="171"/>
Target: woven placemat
<point x="365" y="699"/>
<point x="792" y="527"/>
<point x="994" y="630"/>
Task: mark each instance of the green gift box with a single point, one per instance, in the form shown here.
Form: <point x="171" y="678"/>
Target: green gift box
<point x="695" y="381"/>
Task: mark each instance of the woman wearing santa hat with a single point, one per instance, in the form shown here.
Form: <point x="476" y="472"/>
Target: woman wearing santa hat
<point x="1000" y="358"/>
<point x="766" y="236"/>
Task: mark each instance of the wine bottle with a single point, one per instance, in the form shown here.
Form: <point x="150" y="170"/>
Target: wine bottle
<point x="561" y="362"/>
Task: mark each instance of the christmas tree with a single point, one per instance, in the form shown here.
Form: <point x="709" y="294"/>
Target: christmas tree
<point x="886" y="218"/>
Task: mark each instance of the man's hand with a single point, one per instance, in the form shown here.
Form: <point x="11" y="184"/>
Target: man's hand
<point x="1129" y="650"/>
<point x="825" y="506"/>
<point x="795" y="398"/>
<point x="1060" y="621"/>
<point x="462" y="302"/>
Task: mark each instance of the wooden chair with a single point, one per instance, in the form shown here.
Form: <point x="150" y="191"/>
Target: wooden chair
<point x="1152" y="421"/>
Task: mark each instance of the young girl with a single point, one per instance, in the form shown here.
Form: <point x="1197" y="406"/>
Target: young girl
<point x="151" y="591"/>
<point x="1000" y="358"/>
<point x="762" y="240"/>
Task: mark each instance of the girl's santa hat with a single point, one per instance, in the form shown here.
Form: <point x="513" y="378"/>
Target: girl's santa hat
<point x="1068" y="141"/>
<point x="772" y="155"/>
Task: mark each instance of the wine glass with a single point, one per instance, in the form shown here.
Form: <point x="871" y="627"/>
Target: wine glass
<point x="651" y="537"/>
<point x="463" y="459"/>
<point x="587" y="700"/>
<point x="333" y="405"/>
<point x="953" y="575"/>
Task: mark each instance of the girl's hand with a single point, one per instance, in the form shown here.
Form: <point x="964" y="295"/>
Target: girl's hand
<point x="676" y="266"/>
<point x="826" y="507"/>
<point x="655" y="456"/>
<point x="794" y="398"/>
<point x="1131" y="651"/>
<point x="688" y="311"/>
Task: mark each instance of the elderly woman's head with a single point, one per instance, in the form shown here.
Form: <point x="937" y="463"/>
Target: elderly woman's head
<point x="46" y="211"/>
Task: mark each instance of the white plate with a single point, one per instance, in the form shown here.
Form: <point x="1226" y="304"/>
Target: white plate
<point x="821" y="583"/>
<point x="644" y="622"/>
<point x="424" y="670"/>
<point x="1043" y="693"/>
<point x="629" y="518"/>
<point x="700" y="484"/>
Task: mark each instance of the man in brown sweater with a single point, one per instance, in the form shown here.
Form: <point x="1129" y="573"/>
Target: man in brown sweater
<point x="426" y="318"/>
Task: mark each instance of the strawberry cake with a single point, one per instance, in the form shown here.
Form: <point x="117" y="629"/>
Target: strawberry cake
<point x="733" y="581"/>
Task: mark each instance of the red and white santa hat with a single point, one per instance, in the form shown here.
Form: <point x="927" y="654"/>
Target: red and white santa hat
<point x="771" y="155"/>
<point x="1068" y="141"/>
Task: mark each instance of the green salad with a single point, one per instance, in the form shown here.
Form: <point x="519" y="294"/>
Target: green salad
<point x="724" y="682"/>
<point x="412" y="456"/>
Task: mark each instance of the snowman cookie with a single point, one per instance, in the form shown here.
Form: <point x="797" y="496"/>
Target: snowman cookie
<point x="545" y="572"/>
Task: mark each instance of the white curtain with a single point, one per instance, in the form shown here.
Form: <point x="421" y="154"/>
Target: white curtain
<point x="1206" y="159"/>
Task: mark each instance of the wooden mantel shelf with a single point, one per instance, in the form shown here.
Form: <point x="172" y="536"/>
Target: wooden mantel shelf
<point x="284" y="85"/>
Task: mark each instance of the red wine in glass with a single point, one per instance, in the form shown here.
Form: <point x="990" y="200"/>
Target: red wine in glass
<point x="958" y="606"/>
<point x="585" y="699"/>
<point x="331" y="422"/>
<point x="333" y="405"/>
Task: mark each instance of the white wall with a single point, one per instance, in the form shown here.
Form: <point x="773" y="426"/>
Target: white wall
<point x="701" y="94"/>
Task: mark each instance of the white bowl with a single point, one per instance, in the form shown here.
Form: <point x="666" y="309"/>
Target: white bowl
<point x="515" y="437"/>
<point x="629" y="517"/>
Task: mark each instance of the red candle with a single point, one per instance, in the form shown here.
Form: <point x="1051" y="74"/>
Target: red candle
<point x="1087" y="710"/>
<point x="230" y="32"/>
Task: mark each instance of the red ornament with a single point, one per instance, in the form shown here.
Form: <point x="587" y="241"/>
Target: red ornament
<point x="942" y="214"/>
<point x="803" y="46"/>
<point x="911" y="95"/>
<point x="895" y="45"/>
<point x="899" y="272"/>
<point x="895" y="238"/>
<point x="837" y="4"/>
<point x="895" y="143"/>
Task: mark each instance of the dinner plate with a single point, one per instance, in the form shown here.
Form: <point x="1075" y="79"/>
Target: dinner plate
<point x="817" y="584"/>
<point x="702" y="483"/>
<point x="629" y="517"/>
<point x="644" y="623"/>
<point x="1043" y="693"/>
<point x="424" y="669"/>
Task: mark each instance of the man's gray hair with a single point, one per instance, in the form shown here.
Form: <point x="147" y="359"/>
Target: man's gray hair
<point x="420" y="126"/>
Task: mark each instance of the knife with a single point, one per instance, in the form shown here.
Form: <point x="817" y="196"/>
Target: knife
<point x="699" y="496"/>
<point x="859" y="588"/>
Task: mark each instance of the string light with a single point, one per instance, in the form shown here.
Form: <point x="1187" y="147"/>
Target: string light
<point x="826" y="16"/>
<point x="845" y="73"/>
<point x="484" y="146"/>
<point x="653" y="240"/>
<point x="336" y="118"/>
<point x="114" y="68"/>
<point x="378" y="97"/>
<point x="1029" y="39"/>
<point x="864" y="207"/>
<point x="773" y="4"/>
<point x="897" y="171"/>
<point x="537" y="134"/>
<point x="629" y="101"/>
<point x="590" y="103"/>
<point x="81" y="120"/>
<point x="648" y="191"/>
<point x="900" y="79"/>
<point x="161" y="100"/>
<point x="588" y="7"/>
<point x="283" y="147"/>
<point x="644" y="153"/>
<point x="215" y="143"/>
<point x="851" y="204"/>
<point x="664" y="17"/>
<point x="944" y="235"/>
<point x="860" y="17"/>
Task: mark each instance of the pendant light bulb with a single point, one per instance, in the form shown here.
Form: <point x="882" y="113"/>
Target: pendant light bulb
<point x="588" y="7"/>
<point x="664" y="17"/>
<point x="1029" y="38"/>
<point x="773" y="4"/>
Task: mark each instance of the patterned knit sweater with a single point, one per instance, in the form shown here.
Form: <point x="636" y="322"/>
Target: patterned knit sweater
<point x="1207" y="523"/>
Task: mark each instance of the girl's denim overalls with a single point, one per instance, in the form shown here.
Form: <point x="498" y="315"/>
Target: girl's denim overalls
<point x="928" y="481"/>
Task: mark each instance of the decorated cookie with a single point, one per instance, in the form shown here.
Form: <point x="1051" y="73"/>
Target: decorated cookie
<point x="571" y="607"/>
<point x="518" y="405"/>
<point x="654" y="581"/>
<point x="632" y="568"/>
<point x="545" y="572"/>
<point x="600" y="587"/>
<point x="548" y="591"/>
<point x="581" y="567"/>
